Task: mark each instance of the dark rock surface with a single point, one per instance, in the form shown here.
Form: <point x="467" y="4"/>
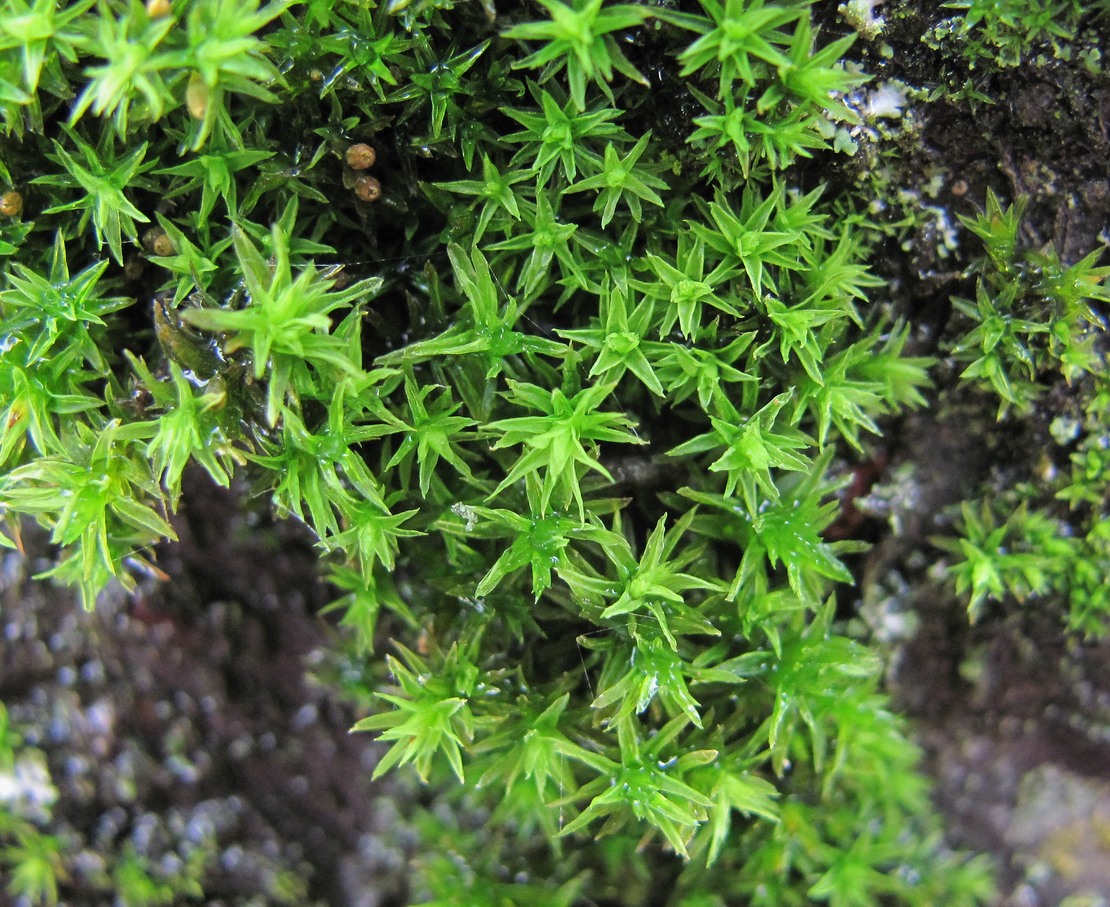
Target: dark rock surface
<point x="185" y="721"/>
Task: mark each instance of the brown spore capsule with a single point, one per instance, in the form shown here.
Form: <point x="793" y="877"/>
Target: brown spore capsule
<point x="158" y="9"/>
<point x="196" y="97"/>
<point x="150" y="238"/>
<point x="361" y="156"/>
<point x="11" y="203"/>
<point x="368" y="189"/>
<point x="133" y="268"/>
<point x="163" y="245"/>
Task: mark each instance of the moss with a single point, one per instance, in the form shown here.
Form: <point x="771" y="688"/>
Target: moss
<point x="562" y="390"/>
